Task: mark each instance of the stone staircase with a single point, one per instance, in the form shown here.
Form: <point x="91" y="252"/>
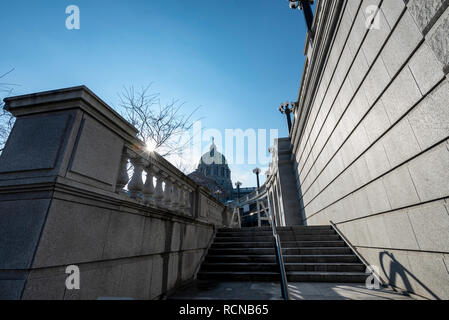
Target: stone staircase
<point x="311" y="254"/>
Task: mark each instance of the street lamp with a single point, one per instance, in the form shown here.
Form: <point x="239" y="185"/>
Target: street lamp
<point x="257" y="172"/>
<point x="284" y="108"/>
<point x="305" y="6"/>
<point x="238" y="184"/>
<point x="268" y="173"/>
<point x="218" y="192"/>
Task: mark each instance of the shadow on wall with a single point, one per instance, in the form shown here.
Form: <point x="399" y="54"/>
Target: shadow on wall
<point x="397" y="270"/>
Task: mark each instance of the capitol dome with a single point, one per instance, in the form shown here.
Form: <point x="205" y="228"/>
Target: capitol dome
<point x="213" y="156"/>
<point x="213" y="166"/>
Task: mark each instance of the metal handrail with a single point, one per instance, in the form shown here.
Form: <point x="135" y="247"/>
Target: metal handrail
<point x="354" y="249"/>
<point x="279" y="259"/>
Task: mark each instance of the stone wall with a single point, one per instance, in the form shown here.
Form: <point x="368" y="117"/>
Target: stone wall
<point x="280" y="185"/>
<point x="66" y="198"/>
<point x="371" y="135"/>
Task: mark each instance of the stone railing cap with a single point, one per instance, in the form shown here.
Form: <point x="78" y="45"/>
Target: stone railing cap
<point x="39" y="102"/>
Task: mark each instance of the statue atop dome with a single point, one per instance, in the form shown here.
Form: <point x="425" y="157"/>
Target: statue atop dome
<point x="213" y="156"/>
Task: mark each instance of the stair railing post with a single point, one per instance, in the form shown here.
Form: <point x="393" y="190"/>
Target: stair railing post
<point x="280" y="260"/>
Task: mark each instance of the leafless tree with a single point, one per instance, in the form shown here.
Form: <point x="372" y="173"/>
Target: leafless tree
<point x="162" y="127"/>
<point x="6" y="118"/>
<point x="182" y="164"/>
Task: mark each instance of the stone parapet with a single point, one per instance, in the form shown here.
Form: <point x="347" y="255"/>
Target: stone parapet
<point x="77" y="187"/>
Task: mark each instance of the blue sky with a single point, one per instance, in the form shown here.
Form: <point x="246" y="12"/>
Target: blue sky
<point x="236" y="59"/>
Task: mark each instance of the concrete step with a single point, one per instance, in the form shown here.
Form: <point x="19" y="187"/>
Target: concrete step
<point x="325" y="267"/>
<point x="285" y="233"/>
<point x="239" y="276"/>
<point x="285" y="251"/>
<point x="271" y="258"/>
<point x="325" y="258"/>
<point x="240" y="267"/>
<point x="284" y="238"/>
<point x="270" y="244"/>
<point x="291" y="228"/>
<point x="339" y="277"/>
<point x="336" y="277"/>
<point x="311" y="254"/>
<point x="296" y="228"/>
<point x="241" y="244"/>
<point x="315" y="251"/>
<point x="314" y="244"/>
<point x="273" y="267"/>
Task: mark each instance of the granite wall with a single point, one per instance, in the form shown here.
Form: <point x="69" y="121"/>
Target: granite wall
<point x="371" y="135"/>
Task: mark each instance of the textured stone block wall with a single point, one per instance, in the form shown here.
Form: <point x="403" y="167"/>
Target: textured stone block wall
<point x="120" y="254"/>
<point x="374" y="155"/>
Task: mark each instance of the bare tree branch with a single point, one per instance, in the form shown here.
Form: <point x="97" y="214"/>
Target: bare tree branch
<point x="6" y="118"/>
<point x="162" y="127"/>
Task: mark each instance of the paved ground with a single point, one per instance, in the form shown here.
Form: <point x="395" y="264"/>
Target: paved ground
<point x="210" y="290"/>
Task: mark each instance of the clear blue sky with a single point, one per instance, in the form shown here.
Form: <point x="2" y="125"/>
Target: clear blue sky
<point x="237" y="59"/>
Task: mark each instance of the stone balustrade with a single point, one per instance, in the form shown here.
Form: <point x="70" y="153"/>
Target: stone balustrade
<point x="165" y="187"/>
<point x="77" y="187"/>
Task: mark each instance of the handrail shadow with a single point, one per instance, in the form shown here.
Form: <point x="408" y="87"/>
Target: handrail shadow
<point x="397" y="269"/>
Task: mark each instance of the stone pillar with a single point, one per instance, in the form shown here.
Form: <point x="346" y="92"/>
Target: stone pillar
<point x="167" y="192"/>
<point x="148" y="189"/>
<point x="135" y="186"/>
<point x="159" y="192"/>
<point x="187" y="204"/>
<point x="179" y="197"/>
<point x="66" y="154"/>
<point x="123" y="176"/>
<point x="175" y="195"/>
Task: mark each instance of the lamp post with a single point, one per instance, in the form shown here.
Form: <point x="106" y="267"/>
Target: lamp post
<point x="284" y="108"/>
<point x="257" y="172"/>
<point x="238" y="184"/>
<point x="218" y="193"/>
<point x="268" y="173"/>
<point x="304" y="6"/>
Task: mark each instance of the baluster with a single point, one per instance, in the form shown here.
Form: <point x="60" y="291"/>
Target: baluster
<point x="181" y="205"/>
<point x="136" y="184"/>
<point x="187" y="200"/>
<point x="174" y="196"/>
<point x="177" y="197"/>
<point x="168" y="192"/>
<point x="148" y="188"/>
<point x="123" y="178"/>
<point x="158" y="192"/>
